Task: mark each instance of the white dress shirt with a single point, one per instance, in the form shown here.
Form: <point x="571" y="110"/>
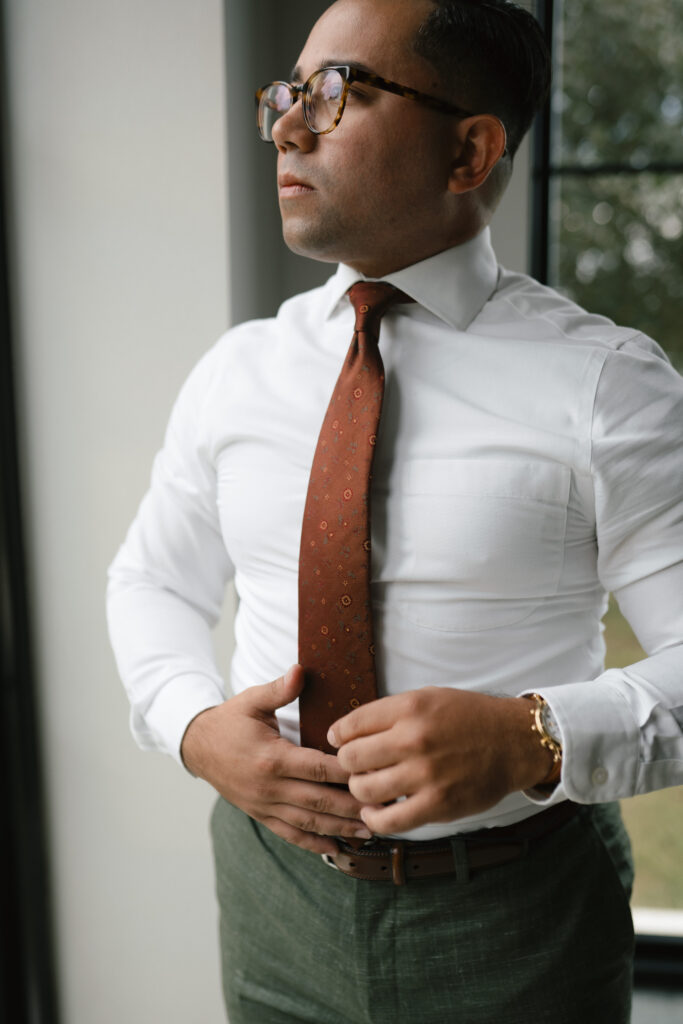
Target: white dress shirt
<point x="529" y="461"/>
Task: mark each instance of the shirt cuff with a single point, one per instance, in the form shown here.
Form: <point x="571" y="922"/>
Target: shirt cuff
<point x="600" y="742"/>
<point x="174" y="707"/>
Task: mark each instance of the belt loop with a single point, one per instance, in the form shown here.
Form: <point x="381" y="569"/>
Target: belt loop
<point x="460" y="859"/>
<point x="398" y="867"/>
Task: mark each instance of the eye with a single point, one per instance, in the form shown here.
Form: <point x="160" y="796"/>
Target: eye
<point x="331" y="91"/>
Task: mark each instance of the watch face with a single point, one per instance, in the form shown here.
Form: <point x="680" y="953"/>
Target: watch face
<point x="549" y="724"/>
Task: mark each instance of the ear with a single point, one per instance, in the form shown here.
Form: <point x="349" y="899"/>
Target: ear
<point x="482" y="142"/>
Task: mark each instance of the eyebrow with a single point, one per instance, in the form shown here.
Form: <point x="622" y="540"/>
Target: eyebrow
<point x="331" y="62"/>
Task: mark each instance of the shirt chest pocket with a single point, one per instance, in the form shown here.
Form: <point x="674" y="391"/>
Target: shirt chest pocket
<point x="482" y="539"/>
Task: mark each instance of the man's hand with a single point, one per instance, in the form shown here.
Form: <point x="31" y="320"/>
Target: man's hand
<point x="238" y="749"/>
<point x="451" y="753"/>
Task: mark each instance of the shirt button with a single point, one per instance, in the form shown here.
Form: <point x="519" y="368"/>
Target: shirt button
<point x="600" y="776"/>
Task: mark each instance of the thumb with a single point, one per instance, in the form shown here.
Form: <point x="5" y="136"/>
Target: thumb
<point x="271" y="696"/>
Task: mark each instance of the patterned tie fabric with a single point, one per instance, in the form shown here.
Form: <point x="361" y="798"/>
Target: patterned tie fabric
<point x="336" y="646"/>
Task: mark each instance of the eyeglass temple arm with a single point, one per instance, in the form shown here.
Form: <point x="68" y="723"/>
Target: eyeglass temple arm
<point x="403" y="90"/>
<point x="356" y="74"/>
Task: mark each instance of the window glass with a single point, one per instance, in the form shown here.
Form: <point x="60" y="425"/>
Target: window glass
<point x="616" y="242"/>
<point x="618" y="93"/>
<point x="617" y="249"/>
<point x="616" y="246"/>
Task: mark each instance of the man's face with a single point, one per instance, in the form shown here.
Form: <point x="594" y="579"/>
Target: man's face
<point x="374" y="192"/>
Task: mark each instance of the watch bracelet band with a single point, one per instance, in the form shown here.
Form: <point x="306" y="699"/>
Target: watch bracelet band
<point x="546" y="740"/>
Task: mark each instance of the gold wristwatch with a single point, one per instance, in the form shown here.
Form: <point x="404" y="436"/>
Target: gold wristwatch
<point x="549" y="734"/>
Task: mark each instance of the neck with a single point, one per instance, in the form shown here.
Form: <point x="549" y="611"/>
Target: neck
<point x="377" y="268"/>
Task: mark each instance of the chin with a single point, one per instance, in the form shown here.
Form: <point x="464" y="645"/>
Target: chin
<point x="313" y="239"/>
<point x="307" y="247"/>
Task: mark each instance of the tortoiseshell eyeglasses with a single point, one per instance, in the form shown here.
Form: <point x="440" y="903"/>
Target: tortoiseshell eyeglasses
<point x="324" y="97"/>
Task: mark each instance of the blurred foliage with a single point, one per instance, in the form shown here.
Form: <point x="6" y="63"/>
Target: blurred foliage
<point x="618" y="83"/>
<point x="617" y="238"/>
<point x="619" y="251"/>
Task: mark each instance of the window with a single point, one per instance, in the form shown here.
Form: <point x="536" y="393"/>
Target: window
<point x="609" y="233"/>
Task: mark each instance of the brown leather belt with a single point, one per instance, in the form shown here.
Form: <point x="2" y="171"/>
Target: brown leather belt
<point x="398" y="860"/>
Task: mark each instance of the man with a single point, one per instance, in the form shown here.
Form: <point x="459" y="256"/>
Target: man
<point x="525" y="464"/>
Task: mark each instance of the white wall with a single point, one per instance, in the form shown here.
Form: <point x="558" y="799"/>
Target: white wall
<point x="120" y="227"/>
<point x="118" y="140"/>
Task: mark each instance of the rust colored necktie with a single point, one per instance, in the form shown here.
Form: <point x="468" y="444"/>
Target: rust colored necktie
<point x="336" y="646"/>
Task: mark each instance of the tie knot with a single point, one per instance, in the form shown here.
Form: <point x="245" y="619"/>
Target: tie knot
<point x="371" y="300"/>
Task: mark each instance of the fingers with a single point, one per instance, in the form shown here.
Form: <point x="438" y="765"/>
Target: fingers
<point x="370" y="718"/>
<point x="321" y="824"/>
<point x="371" y="753"/>
<point x="305" y="840"/>
<point x="305" y="789"/>
<point x="313" y="811"/>
<point x="323" y="810"/>
<point x="382" y="786"/>
<point x="322" y="801"/>
<point x="276" y="694"/>
<point x="312" y="765"/>
<point x="400" y="817"/>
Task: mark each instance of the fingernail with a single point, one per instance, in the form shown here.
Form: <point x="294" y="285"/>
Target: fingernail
<point x="331" y="738"/>
<point x="288" y="675"/>
<point x="363" y="833"/>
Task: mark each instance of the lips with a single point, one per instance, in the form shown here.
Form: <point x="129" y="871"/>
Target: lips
<point x="290" y="185"/>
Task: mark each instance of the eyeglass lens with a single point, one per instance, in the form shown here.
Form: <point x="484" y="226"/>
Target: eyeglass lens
<point x="322" y="99"/>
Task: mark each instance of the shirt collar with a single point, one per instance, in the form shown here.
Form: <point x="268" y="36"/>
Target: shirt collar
<point x="454" y="285"/>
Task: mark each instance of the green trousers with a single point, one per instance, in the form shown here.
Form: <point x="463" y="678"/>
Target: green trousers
<point x="547" y="938"/>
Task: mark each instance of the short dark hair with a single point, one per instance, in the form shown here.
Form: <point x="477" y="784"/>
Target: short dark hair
<point x="491" y="56"/>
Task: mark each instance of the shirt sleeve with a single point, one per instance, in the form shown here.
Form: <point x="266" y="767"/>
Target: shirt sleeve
<point x="167" y="583"/>
<point x="622" y="733"/>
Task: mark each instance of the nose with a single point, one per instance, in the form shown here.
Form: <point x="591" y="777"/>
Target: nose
<point x="290" y="131"/>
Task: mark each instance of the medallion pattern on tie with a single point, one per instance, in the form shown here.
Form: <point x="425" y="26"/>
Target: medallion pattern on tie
<point x="336" y="647"/>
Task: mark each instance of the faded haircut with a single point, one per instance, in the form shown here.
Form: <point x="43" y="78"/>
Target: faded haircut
<point x="491" y="56"/>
